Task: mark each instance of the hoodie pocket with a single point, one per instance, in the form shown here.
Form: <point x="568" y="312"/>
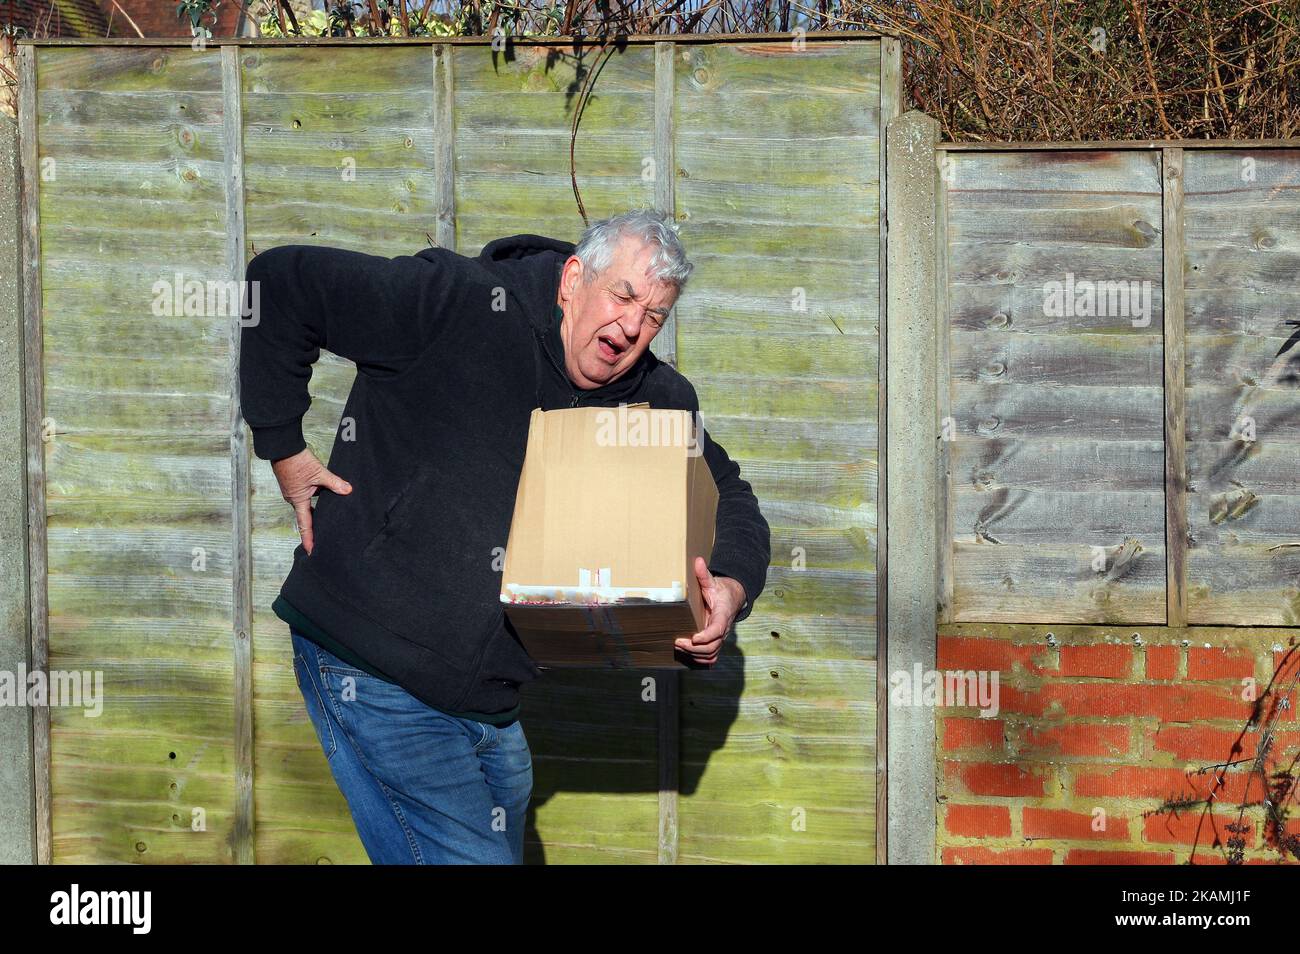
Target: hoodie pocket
<point x="394" y="503"/>
<point x="429" y="571"/>
<point x="506" y="662"/>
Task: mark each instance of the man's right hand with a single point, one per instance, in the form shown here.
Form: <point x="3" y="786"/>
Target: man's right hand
<point x="300" y="477"/>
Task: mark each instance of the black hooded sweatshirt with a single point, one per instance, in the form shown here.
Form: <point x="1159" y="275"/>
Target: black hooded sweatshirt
<point x="452" y="353"/>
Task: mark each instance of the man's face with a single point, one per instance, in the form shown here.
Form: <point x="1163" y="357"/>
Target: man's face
<point x="609" y="323"/>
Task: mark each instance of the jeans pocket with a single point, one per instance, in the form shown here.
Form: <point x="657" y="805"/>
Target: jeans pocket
<point x="320" y="718"/>
<point x="513" y="761"/>
<point x="363" y="703"/>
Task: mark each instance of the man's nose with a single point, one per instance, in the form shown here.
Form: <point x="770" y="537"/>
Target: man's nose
<point x="631" y="323"/>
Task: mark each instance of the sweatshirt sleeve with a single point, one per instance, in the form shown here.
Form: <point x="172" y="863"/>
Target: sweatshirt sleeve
<point x="742" y="543"/>
<point x="380" y="313"/>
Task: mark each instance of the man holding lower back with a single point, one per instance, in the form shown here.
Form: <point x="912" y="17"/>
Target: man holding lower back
<point x="407" y="665"/>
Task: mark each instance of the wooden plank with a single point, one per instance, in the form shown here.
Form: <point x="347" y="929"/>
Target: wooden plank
<point x="1018" y="308"/>
<point x="1111" y="221"/>
<point x="1243" y="637"/>
<point x="665" y="348"/>
<point x="668" y="696"/>
<point x="755" y="436"/>
<point x="1080" y="466"/>
<point x="1123" y="176"/>
<point x="444" y="138"/>
<point x="1021" y="516"/>
<point x="1024" y="265"/>
<point x="665" y="178"/>
<point x="1056" y="360"/>
<point x="1264" y="470"/>
<point x="1149" y="145"/>
<point x="242" y="837"/>
<point x="1251" y="584"/>
<point x="1218" y="412"/>
<point x="814" y="36"/>
<point x="148" y="68"/>
<point x="890" y="82"/>
<point x="850" y="485"/>
<point x="1174" y="370"/>
<point x="34" y="401"/>
<point x="815" y="352"/>
<point x="1038" y="583"/>
<point x="995" y="411"/>
<point x="946" y="424"/>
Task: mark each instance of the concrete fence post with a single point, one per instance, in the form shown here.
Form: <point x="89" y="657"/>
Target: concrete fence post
<point x="913" y="486"/>
<point x="17" y="793"/>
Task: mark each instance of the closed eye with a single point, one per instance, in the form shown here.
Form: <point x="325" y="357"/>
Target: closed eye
<point x="654" y="318"/>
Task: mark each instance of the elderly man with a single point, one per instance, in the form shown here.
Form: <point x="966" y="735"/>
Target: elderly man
<point x="408" y="667"/>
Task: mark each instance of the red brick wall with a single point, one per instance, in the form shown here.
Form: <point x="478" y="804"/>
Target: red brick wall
<point x="1093" y="755"/>
<point x="158" y="18"/>
<point x="54" y="18"/>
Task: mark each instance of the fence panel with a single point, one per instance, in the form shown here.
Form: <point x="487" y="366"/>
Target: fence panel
<point x="157" y="579"/>
<point x="781" y="337"/>
<point x="338" y="150"/>
<point x="1242" y="248"/>
<point x="595" y="740"/>
<point x="132" y="206"/>
<point x="1055" y="406"/>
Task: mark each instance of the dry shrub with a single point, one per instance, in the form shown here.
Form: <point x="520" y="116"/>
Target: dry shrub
<point x="991" y="70"/>
<point x="998" y="70"/>
<point x="1103" y="69"/>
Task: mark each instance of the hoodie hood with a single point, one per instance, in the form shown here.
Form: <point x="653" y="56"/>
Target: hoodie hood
<point x="522" y="246"/>
<point x="531" y="265"/>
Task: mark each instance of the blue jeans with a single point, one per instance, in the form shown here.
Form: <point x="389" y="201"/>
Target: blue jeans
<point x="423" y="787"/>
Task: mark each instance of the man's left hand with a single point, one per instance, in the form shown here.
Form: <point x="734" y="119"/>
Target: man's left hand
<point x="723" y="599"/>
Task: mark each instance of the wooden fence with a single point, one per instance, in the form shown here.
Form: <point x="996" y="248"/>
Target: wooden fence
<point x="165" y="541"/>
<point x="1120" y="394"/>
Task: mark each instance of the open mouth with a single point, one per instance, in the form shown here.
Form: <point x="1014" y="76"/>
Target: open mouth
<point x="609" y="348"/>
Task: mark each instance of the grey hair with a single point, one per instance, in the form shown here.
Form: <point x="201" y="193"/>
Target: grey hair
<point x="668" y="264"/>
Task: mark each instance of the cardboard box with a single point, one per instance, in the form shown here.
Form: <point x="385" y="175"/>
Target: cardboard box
<point x="613" y="506"/>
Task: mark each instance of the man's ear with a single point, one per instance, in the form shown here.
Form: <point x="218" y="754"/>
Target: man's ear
<point x="570" y="277"/>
